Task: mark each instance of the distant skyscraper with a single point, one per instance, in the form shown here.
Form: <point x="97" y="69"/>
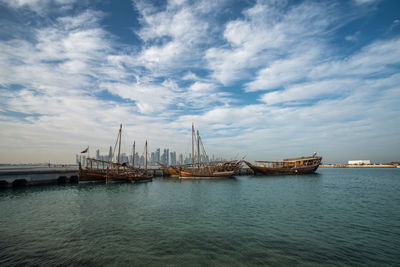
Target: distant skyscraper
<point x="98" y="154"/>
<point x="180" y="159"/>
<point x="158" y="155"/>
<point x="153" y="161"/>
<point x="165" y="157"/>
<point x="173" y="158"/>
<point x="188" y="159"/>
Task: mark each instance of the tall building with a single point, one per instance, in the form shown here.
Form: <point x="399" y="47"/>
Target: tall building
<point x="180" y="161"/>
<point x="158" y="155"/>
<point x="188" y="159"/>
<point x="165" y="157"/>
<point x="98" y="154"/>
<point x="167" y="153"/>
<point x="173" y="158"/>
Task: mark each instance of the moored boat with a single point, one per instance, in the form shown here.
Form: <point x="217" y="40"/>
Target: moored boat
<point x="300" y="165"/>
<point x="172" y="170"/>
<point x="104" y="171"/>
<point x="201" y="173"/>
<point x="201" y="170"/>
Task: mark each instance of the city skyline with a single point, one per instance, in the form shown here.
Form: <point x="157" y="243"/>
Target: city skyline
<point x="259" y="79"/>
<point x="167" y="157"/>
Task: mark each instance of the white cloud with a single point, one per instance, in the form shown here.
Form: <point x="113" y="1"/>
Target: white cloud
<point x="265" y="34"/>
<point x="363" y="2"/>
<point x="352" y="38"/>
<point x="149" y="98"/>
<point x="353" y="124"/>
<point x="61" y="72"/>
<point x="71" y="84"/>
<point x="39" y="6"/>
<point x="284" y="71"/>
<point x="343" y="79"/>
<point x="173" y="36"/>
<point x="309" y="91"/>
<point x="377" y="57"/>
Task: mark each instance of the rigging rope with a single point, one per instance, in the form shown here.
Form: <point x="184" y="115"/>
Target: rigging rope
<point x="203" y="149"/>
<point x="115" y="146"/>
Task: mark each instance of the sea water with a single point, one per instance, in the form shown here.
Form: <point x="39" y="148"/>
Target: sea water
<point x="332" y="217"/>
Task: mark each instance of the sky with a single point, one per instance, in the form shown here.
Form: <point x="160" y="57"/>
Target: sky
<point x="259" y="79"/>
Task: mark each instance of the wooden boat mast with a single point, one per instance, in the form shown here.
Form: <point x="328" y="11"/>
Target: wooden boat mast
<point x="198" y="149"/>
<point x="192" y="144"/>
<point x="133" y="154"/>
<point x="146" y="157"/>
<point x="119" y="146"/>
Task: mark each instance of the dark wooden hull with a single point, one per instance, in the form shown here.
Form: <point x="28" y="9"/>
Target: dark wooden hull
<point x="289" y="170"/>
<point x="143" y="178"/>
<point x="172" y="171"/>
<point x="103" y="176"/>
<point x="95" y="176"/>
<point x="204" y="174"/>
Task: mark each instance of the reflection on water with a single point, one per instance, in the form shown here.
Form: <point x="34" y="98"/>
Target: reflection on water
<point x="337" y="216"/>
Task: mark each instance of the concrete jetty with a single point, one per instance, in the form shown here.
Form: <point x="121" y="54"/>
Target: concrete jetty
<point x="20" y="177"/>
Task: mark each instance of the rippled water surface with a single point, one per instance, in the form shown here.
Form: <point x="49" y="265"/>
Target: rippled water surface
<point x="337" y="217"/>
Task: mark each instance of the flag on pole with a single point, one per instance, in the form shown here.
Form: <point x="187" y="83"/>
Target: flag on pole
<point x="86" y="150"/>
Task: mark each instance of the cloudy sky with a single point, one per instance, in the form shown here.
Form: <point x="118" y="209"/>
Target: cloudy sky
<point x="261" y="79"/>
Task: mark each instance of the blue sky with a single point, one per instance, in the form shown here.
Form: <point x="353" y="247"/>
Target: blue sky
<point x="266" y="79"/>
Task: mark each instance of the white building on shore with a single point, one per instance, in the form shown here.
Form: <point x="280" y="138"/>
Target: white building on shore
<point x="359" y="162"/>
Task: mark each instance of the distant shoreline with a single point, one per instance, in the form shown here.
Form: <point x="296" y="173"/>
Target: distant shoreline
<point x="357" y="166"/>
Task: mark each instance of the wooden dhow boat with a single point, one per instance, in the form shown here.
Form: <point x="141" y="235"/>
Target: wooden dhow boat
<point x="173" y="171"/>
<point x="213" y="169"/>
<point x="301" y="165"/>
<point x="219" y="168"/>
<point x="105" y="171"/>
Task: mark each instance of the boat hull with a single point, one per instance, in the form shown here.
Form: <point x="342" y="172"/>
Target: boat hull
<point x="96" y="175"/>
<point x="287" y="167"/>
<point x="172" y="171"/>
<point x="199" y="175"/>
<point x="297" y="170"/>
